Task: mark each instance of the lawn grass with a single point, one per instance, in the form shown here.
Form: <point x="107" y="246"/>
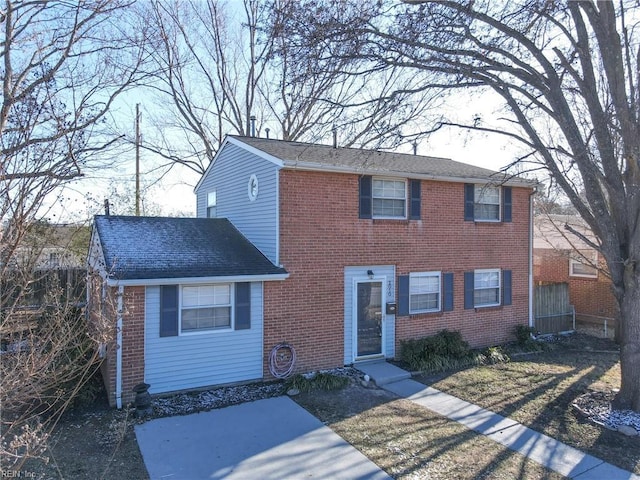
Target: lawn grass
<point x="538" y="390"/>
<point x="411" y="442"/>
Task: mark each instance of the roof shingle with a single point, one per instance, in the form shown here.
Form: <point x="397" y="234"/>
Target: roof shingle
<point x="161" y="247"/>
<point x="307" y="155"/>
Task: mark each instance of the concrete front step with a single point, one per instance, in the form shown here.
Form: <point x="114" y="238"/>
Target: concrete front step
<point x="383" y="373"/>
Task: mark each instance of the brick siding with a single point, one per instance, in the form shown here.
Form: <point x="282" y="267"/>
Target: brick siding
<point x="591" y="297"/>
<point x="132" y="343"/>
<point x="321" y="234"/>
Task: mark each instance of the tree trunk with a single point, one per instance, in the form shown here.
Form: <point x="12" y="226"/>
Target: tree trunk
<point x="629" y="396"/>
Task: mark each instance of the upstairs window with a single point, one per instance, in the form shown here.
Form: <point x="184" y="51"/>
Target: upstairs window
<point x="389" y="198"/>
<point x="212" y="203"/>
<point x="487" y="203"/>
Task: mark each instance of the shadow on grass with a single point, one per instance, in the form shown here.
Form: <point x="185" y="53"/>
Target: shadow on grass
<point x="408" y="440"/>
<point x="538" y="392"/>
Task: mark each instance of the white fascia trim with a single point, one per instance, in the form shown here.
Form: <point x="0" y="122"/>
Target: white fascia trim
<point x="239" y="143"/>
<point x="215" y="157"/>
<point x="318" y="167"/>
<point x="259" y="153"/>
<point x="195" y="280"/>
<point x="96" y="265"/>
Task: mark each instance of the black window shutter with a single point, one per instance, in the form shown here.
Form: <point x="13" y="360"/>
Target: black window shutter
<point x="365" y="196"/>
<point x="243" y="306"/>
<point x="447" y="283"/>
<point x="403" y="295"/>
<point x="469" y="200"/>
<point x="414" y="186"/>
<point x="168" y="310"/>
<point x="506" y="287"/>
<point x="506" y="204"/>
<point x="468" y="290"/>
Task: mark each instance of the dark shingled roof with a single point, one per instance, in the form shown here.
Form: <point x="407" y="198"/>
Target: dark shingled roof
<point x="158" y="247"/>
<point x="307" y="155"/>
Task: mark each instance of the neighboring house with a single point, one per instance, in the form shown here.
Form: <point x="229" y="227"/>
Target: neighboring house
<point x="47" y="267"/>
<point x="49" y="257"/>
<point x="561" y="257"/>
<point x="52" y="246"/>
<point x="342" y="253"/>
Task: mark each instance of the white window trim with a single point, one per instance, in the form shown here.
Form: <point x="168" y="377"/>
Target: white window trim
<point x="488" y="270"/>
<point x="406" y="191"/>
<point x="481" y="186"/>
<point x="573" y="262"/>
<point x="426" y="274"/>
<point x="209" y="331"/>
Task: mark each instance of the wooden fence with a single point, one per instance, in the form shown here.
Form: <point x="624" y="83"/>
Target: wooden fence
<point x="553" y="313"/>
<point x="44" y="287"/>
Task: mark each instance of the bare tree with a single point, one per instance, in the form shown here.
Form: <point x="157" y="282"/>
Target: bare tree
<point x="63" y="65"/>
<point x="208" y="71"/>
<point x="319" y="86"/>
<point x="567" y="73"/>
<point x="220" y="67"/>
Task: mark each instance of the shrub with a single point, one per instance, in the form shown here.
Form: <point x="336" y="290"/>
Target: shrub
<point x="318" y="381"/>
<point x="523" y="334"/>
<point x="446" y="351"/>
<point x="443" y="351"/>
<point x="494" y="355"/>
<point x="526" y="342"/>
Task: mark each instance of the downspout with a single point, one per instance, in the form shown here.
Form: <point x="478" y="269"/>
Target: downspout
<point x="119" y="348"/>
<point x="531" y="287"/>
<point x="277" y="259"/>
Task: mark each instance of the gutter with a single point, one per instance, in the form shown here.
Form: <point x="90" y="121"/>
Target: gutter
<point x="119" y="348"/>
<point x="318" y="167"/>
<point x="114" y="282"/>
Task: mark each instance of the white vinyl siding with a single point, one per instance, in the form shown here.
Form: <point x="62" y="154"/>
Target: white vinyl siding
<point x="487" y="203"/>
<point x="389" y="198"/>
<point x="424" y="292"/>
<point x="212" y="358"/>
<point x="486" y="288"/>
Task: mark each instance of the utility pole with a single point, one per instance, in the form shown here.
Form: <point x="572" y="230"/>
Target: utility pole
<point x="137" y="159"/>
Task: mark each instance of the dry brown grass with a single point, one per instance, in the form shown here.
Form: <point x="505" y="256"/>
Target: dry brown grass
<point x="409" y="441"/>
<point x="538" y="391"/>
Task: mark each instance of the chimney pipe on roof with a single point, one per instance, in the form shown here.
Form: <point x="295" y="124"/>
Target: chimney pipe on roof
<point x="267" y="131"/>
<point x="335" y="136"/>
<point x="252" y="118"/>
<point x="106" y="207"/>
<point x="415" y="147"/>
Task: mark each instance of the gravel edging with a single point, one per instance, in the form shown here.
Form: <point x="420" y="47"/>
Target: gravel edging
<point x="201" y="401"/>
<point x="596" y="407"/>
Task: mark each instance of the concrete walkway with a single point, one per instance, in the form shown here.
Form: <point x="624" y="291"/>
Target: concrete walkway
<point x="271" y="438"/>
<point x="540" y="448"/>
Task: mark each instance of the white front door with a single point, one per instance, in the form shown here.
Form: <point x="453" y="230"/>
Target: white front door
<point x="368" y="317"/>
